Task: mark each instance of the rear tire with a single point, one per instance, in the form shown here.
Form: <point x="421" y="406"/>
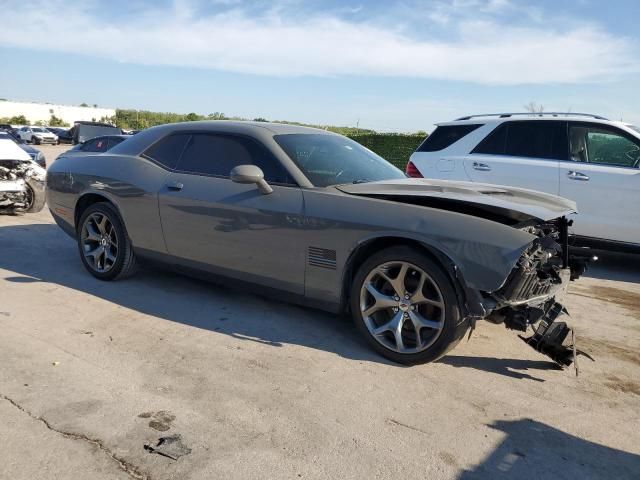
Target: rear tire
<point x="104" y="245"/>
<point x="418" y="324"/>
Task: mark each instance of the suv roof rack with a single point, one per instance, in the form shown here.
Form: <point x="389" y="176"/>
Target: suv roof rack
<point x="530" y="114"/>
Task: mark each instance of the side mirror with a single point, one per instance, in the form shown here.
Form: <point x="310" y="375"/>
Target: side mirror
<point x="251" y="174"/>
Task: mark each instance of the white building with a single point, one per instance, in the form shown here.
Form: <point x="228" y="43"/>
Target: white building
<point x="42" y="112"/>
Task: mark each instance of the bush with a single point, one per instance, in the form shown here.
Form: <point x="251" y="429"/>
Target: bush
<point x="396" y="148"/>
<point x="17" y="120"/>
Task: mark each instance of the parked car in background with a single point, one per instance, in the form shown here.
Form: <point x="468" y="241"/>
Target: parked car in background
<point x="586" y="158"/>
<point x="63" y="134"/>
<point x="35" y="154"/>
<point x="95" y="145"/>
<point x="21" y="180"/>
<point x="37" y="135"/>
<point x="8" y="128"/>
<point x="316" y="218"/>
<point x="83" y="131"/>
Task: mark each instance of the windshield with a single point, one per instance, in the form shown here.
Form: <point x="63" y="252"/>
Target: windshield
<point x="39" y="130"/>
<point x="332" y="159"/>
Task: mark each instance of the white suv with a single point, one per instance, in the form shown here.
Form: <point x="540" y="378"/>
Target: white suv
<point x="37" y="135"/>
<point x="586" y="158"/>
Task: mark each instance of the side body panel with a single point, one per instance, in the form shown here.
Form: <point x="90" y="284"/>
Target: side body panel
<point x="235" y="230"/>
<point x="131" y="183"/>
<point x="484" y="251"/>
<point x="607" y="198"/>
<point x="531" y="173"/>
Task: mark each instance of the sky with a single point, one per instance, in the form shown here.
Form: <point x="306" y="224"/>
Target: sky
<point x="382" y="64"/>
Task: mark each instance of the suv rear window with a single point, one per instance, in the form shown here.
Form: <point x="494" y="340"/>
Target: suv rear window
<point x="445" y="136"/>
<point x="531" y="139"/>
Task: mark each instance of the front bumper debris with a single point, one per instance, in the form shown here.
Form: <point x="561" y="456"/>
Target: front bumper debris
<point x="531" y="294"/>
<point x="549" y="338"/>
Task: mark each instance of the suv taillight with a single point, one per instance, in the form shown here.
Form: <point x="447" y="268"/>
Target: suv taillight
<point x="412" y="171"/>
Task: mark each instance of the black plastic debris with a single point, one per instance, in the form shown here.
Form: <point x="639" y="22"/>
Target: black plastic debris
<point x="170" y="447"/>
<point x="549" y="338"/>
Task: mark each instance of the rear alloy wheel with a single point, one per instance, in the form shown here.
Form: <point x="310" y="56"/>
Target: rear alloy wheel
<point x="104" y="246"/>
<point x="406" y="306"/>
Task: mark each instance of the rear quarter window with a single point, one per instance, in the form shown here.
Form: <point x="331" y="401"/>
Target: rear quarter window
<point x="445" y="136"/>
<point x="167" y="151"/>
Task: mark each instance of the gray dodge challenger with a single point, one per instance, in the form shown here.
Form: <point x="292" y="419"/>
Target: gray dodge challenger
<point x="315" y="218"/>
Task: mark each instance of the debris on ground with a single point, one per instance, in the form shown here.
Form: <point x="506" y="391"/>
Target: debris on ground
<point x="170" y="447"/>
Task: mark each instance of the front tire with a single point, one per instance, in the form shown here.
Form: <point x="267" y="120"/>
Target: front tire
<point x="104" y="246"/>
<point x="406" y="307"/>
<point x="35" y="140"/>
<point x="36" y="197"/>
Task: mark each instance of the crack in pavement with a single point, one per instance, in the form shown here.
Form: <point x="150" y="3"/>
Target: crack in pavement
<point x="128" y="468"/>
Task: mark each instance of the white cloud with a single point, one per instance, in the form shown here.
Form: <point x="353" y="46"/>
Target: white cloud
<point x="277" y="44"/>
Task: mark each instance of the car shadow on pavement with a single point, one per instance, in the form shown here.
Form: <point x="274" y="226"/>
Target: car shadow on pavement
<point x="533" y="450"/>
<point x="615" y="266"/>
<point x="509" y="367"/>
<point x="43" y="253"/>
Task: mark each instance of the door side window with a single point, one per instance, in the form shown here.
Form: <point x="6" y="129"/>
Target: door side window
<point x="530" y="139"/>
<point x="168" y="150"/>
<point x="217" y="155"/>
<point x="603" y="145"/>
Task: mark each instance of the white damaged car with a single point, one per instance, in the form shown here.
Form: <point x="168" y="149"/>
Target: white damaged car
<point x="21" y="180"/>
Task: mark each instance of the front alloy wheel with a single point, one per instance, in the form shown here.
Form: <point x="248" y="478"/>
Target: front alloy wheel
<point x="402" y="307"/>
<point x="406" y="306"/>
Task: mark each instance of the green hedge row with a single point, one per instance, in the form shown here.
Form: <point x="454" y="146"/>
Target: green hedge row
<point x="394" y="147"/>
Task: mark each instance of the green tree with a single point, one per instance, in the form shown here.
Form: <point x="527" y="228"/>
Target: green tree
<point x="18" y="120"/>
<point x="57" y="122"/>
<point x="216" y="116"/>
<point x="83" y="104"/>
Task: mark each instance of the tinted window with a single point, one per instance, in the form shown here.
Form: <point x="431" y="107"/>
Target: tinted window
<point x="445" y="136"/>
<point x="495" y="142"/>
<point x="534" y="139"/>
<point x="93" y="145"/>
<point x="113" y="141"/>
<point x="334" y="159"/>
<point x="168" y="150"/>
<point x="217" y="155"/>
<point x="608" y="146"/>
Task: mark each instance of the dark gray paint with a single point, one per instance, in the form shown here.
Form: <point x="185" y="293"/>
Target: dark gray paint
<point x="231" y="228"/>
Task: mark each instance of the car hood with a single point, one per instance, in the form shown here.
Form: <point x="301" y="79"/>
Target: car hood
<point x="495" y="202"/>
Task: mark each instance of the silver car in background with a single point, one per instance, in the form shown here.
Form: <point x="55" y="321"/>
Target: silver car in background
<point x="317" y="219"/>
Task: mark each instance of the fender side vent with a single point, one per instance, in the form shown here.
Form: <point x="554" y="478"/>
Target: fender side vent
<point x="321" y="257"/>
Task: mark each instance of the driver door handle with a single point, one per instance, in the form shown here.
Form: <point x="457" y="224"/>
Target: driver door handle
<point x="573" y="175"/>
<point x="483" y="167"/>
<point x="175" y="186"/>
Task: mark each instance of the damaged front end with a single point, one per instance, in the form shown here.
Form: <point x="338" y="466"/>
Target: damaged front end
<point x="530" y="296"/>
<point x="21" y="186"/>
